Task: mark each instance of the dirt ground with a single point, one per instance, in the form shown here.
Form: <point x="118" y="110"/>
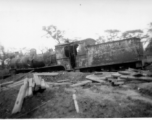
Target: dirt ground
<point x="95" y="100"/>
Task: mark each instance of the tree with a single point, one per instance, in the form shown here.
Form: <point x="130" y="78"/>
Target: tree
<point x="101" y="39"/>
<point x="148" y="49"/>
<point x="132" y="33"/>
<point x="24" y="50"/>
<point x="54" y="32"/>
<point x="113" y="34"/>
<point x="43" y="49"/>
<point x="150" y="28"/>
<point x="2" y="55"/>
<point x="5" y="56"/>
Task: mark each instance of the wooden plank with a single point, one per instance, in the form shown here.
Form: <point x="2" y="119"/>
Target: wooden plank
<point x="20" y="77"/>
<point x="37" y="80"/>
<point x="31" y="82"/>
<point x="112" y="80"/>
<point x="43" y="86"/>
<point x="21" y="81"/>
<point x="148" y="79"/>
<point x="125" y="72"/>
<point x="30" y="91"/>
<point x="96" y="78"/>
<point x="33" y="85"/>
<point x="20" y="98"/>
<point x="117" y="83"/>
<point x="116" y="75"/>
<point x="42" y="83"/>
<point x="81" y="83"/>
<point x="137" y="74"/>
<point x="48" y="74"/>
<point x="17" y="83"/>
<point x="14" y="85"/>
<point x="76" y="103"/>
<point x="26" y="93"/>
<point x="52" y="83"/>
<point x="6" y="83"/>
<point x="98" y="73"/>
<point x="66" y="80"/>
<point x="47" y="85"/>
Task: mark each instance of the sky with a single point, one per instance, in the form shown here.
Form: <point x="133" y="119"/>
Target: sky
<point x="21" y="21"/>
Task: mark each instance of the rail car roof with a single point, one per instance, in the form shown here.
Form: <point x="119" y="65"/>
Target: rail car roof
<point x="79" y="41"/>
<point x="132" y="38"/>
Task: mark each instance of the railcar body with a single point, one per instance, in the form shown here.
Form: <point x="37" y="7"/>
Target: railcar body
<point x="85" y="55"/>
<point x="115" y="54"/>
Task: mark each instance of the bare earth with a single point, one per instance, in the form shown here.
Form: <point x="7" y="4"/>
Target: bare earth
<point x="95" y="100"/>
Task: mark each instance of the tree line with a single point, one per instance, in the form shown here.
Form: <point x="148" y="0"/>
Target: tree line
<point x="58" y="35"/>
<point x="112" y="34"/>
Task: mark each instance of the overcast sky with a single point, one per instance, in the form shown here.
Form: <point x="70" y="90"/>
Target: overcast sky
<point x="21" y="21"/>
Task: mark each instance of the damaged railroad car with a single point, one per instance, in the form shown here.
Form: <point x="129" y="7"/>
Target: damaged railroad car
<point x="86" y="55"/>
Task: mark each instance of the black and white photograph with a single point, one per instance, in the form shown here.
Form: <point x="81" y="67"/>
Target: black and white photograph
<point x="75" y="59"/>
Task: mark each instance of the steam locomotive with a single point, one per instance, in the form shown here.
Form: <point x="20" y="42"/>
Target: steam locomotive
<point x="86" y="55"/>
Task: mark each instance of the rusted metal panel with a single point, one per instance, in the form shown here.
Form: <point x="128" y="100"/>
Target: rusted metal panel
<point x="115" y="52"/>
<point x="65" y="63"/>
<point x="81" y="61"/>
<point x="60" y="52"/>
<point x="81" y="58"/>
<point x="82" y="46"/>
<point x="61" y="58"/>
<point x="82" y="50"/>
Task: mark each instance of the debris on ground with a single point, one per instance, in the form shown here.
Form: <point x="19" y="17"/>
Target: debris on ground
<point x="81" y="83"/>
<point x="78" y="95"/>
